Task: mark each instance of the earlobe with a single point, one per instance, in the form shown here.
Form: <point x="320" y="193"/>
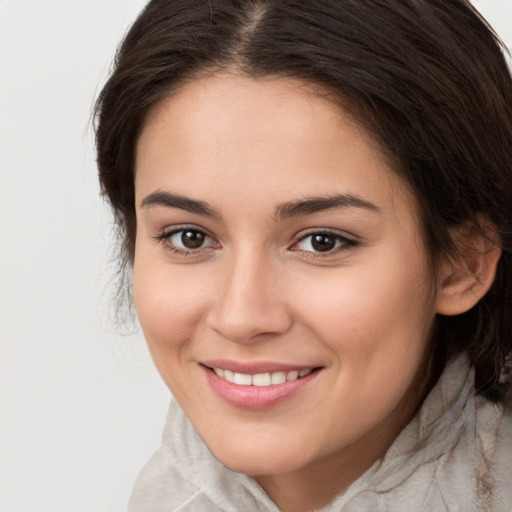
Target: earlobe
<point x="466" y="278"/>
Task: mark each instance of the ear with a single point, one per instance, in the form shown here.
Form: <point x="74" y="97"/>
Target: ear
<point x="467" y="277"/>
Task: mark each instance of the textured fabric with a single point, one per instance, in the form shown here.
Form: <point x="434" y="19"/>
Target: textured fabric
<point x="455" y="455"/>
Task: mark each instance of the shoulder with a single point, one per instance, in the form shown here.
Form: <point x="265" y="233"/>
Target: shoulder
<point x="160" y="486"/>
<point x="502" y="467"/>
<point x="166" y="482"/>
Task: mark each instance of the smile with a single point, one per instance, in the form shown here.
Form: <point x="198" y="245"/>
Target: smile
<point x="261" y="379"/>
<point x="256" y="388"/>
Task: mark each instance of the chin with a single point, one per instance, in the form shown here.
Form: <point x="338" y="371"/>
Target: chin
<point x="257" y="460"/>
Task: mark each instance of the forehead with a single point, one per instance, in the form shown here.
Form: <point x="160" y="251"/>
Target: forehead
<point x="274" y="135"/>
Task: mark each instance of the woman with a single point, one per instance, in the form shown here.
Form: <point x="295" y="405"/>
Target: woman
<point x="316" y="201"/>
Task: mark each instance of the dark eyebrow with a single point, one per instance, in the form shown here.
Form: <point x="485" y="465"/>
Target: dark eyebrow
<point x="311" y="205"/>
<point x="160" y="198"/>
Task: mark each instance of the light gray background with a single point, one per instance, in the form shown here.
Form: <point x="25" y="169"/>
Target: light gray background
<point x="81" y="407"/>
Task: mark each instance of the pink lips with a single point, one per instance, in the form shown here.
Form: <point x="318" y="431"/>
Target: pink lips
<point x="254" y="397"/>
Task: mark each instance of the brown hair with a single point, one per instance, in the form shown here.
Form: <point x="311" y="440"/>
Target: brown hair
<point x="426" y="77"/>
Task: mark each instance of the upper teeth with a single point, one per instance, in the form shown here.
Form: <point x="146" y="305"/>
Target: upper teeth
<point x="261" y="379"/>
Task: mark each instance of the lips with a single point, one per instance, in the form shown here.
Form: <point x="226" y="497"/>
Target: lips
<point x="256" y="386"/>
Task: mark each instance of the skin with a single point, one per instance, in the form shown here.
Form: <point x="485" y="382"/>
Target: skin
<point x="257" y="290"/>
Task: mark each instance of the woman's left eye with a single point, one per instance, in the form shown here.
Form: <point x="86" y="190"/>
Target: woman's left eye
<point x="323" y="242"/>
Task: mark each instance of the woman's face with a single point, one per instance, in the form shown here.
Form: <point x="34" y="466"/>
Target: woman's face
<point x="280" y="276"/>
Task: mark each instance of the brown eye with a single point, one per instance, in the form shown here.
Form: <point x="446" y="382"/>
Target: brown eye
<point x="323" y="242"/>
<point x="192" y="239"/>
<point x="187" y="240"/>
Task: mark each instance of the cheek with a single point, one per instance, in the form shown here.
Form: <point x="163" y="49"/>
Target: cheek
<point x="376" y="326"/>
<point x="377" y="311"/>
<point x="168" y="304"/>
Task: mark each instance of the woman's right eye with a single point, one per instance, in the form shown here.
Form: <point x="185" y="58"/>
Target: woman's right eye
<point x="187" y="240"/>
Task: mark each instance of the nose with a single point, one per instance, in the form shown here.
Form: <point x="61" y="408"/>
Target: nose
<point x="251" y="302"/>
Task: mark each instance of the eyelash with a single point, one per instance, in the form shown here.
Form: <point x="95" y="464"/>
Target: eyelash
<point x="342" y="243"/>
